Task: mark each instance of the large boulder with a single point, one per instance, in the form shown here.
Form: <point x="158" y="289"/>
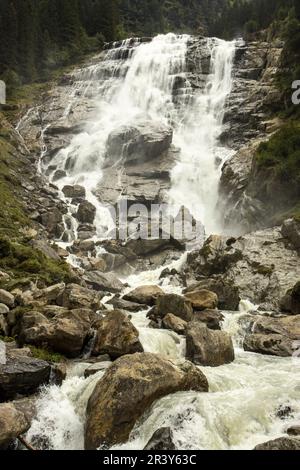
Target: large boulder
<point x="207" y="347"/>
<point x="61" y="330"/>
<point x="86" y="213"/>
<point x="7" y="298"/>
<point x="146" y="295"/>
<point x="291" y="231"/>
<point x="22" y="375"/>
<point x="202" y="299"/>
<point x="227" y="292"/>
<point x="13" y="423"/>
<point x="282" y="443"/>
<point x="107" y="282"/>
<point x="274" y="336"/>
<point x="116" y="336"/>
<point x="122" y="304"/>
<point x="176" y="304"/>
<point x="171" y="322"/>
<point x="74" y="192"/>
<point x="143" y="142"/>
<point x="128" y="389"/>
<point x="162" y="439"/>
<point x="291" y="301"/>
<point x="75" y="296"/>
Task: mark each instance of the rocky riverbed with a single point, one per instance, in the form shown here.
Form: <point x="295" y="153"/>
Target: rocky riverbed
<point x="155" y="342"/>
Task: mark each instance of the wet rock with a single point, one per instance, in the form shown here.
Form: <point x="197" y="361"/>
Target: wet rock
<point x="7" y="298"/>
<point x="291" y="301"/>
<point x="58" y="175"/>
<point x="207" y="347"/>
<point x="75" y="296"/>
<point x="103" y="282"/>
<point x="176" y="304"/>
<point x="22" y="375"/>
<point x="291" y="230"/>
<point x="116" y="336"/>
<point x="276" y="337"/>
<point x="58" y="373"/>
<point x="149" y="246"/>
<point x="128" y="389"/>
<point x="52" y="220"/>
<point x="227" y="293"/>
<point x="144" y="142"/>
<point x="294" y="430"/>
<point x="171" y="322"/>
<point x="162" y="439"/>
<point x="211" y="318"/>
<point x="44" y="247"/>
<point x="121" y="304"/>
<point x="146" y="295"/>
<point x="202" y="299"/>
<point x="95" y="368"/>
<point x="86" y="213"/>
<point x="74" y="192"/>
<point x="13" y="423"/>
<point x="63" y="331"/>
<point x="283" y="443"/>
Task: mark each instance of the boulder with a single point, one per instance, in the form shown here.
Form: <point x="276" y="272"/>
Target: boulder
<point x="95" y="368"/>
<point x="116" y="336"/>
<point x="162" y="439"/>
<point x="46" y="248"/>
<point x="274" y="336"/>
<point x="211" y="318"/>
<point x="22" y="375"/>
<point x="294" y="430"/>
<point x="63" y="331"/>
<point x="86" y="213"/>
<point x="146" y="295"/>
<point x="103" y="282"/>
<point x="143" y="142"/>
<point x="52" y="220"/>
<point x="227" y="292"/>
<point x="207" y="347"/>
<point x="171" y="322"/>
<point x="3" y="309"/>
<point x="49" y="295"/>
<point x="74" y="192"/>
<point x="283" y="443"/>
<point x="128" y="389"/>
<point x="291" y="301"/>
<point x="13" y="423"/>
<point x="7" y="298"/>
<point x="75" y="296"/>
<point x="176" y="304"/>
<point x="123" y="304"/>
<point x="291" y="231"/>
<point x="202" y="299"/>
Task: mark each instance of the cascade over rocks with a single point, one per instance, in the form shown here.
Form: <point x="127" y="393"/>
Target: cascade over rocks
<point x="207" y="347"/>
<point x="116" y="336"/>
<point x="128" y="389"/>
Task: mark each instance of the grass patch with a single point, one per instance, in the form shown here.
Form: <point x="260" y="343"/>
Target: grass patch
<point x="46" y="355"/>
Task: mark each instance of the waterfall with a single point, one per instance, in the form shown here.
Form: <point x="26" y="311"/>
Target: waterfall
<point x="139" y="82"/>
<point x="196" y="177"/>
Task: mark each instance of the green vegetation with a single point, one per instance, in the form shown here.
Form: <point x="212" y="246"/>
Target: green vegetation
<point x="46" y="355"/>
<point x="28" y="264"/>
<point x="281" y="154"/>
